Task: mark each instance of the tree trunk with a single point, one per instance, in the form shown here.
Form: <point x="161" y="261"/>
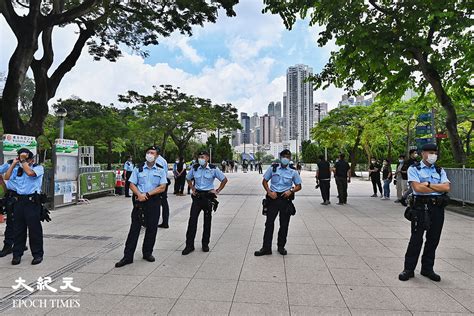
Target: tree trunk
<point x="468" y="140"/>
<point x="163" y="144"/>
<point x="109" y="155"/>
<point x="433" y="78"/>
<point x="353" y="153"/>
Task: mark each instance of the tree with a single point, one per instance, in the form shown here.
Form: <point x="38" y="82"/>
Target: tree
<point x="103" y="26"/>
<point x="391" y="46"/>
<point x="180" y="116"/>
<point x="223" y="150"/>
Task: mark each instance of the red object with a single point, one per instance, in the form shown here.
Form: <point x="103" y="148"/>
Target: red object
<point x="119" y="179"/>
<point x="441" y="136"/>
<point x="2" y="218"/>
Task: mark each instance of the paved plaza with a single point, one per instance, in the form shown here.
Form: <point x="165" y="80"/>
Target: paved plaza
<point x="341" y="260"/>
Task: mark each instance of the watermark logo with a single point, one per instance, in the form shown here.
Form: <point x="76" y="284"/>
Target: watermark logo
<point x="43" y="284"/>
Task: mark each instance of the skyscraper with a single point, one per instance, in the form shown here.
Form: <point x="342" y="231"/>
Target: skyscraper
<point x="245" y="122"/>
<point x="300" y="118"/>
<point x="277" y="111"/>
<point x="271" y="108"/>
<point x="267" y="129"/>
<point x="285" y="116"/>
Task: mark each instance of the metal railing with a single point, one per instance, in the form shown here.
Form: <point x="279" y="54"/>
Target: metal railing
<point x="462" y="184"/>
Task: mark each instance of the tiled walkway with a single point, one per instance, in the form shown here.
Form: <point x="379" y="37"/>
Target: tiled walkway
<point x="341" y="260"/>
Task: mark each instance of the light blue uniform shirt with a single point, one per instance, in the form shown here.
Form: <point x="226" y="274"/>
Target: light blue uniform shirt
<point x="25" y="185"/>
<point x="282" y="179"/>
<point x="426" y="174"/>
<point x="128" y="166"/>
<point x="204" y="177"/>
<point x="162" y="161"/>
<point x="149" y="178"/>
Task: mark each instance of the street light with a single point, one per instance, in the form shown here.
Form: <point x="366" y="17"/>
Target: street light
<point x="61" y="114"/>
<point x="210" y="153"/>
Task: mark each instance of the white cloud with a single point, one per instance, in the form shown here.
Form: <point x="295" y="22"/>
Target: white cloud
<point x="178" y="41"/>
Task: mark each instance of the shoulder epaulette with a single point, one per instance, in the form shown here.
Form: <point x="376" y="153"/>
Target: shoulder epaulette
<point x="292" y="167"/>
<point x="275" y="166"/>
<point x="142" y="165"/>
<point x="35" y="165"/>
<point x="10" y="161"/>
<point x="196" y="166"/>
<point x="159" y="166"/>
<point x="212" y="166"/>
<point x="417" y="165"/>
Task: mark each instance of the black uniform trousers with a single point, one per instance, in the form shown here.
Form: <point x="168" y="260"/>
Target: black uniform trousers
<point x="341" y="183"/>
<point x="432" y="240"/>
<point x="324" y="186"/>
<point x="376" y="183"/>
<point x="152" y="216"/>
<point x="9" y="235"/>
<point x="200" y="203"/>
<point x="165" y="208"/>
<point x="179" y="183"/>
<point x="27" y="221"/>
<point x="128" y="174"/>
<point x="276" y="207"/>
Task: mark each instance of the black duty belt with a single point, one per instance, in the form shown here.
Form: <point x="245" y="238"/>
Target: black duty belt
<point x="440" y="200"/>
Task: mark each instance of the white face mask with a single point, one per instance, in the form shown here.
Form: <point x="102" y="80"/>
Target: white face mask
<point x="432" y="158"/>
<point x="150" y="157"/>
<point x="373" y="161"/>
<point x="401" y="161"/>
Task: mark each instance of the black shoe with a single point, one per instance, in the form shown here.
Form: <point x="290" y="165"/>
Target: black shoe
<point x="339" y="203"/>
<point x="205" y="248"/>
<point x="431" y="275"/>
<point x="405" y="275"/>
<point x="187" y="251"/>
<point x="123" y="262"/>
<point x="282" y="251"/>
<point x="16" y="260"/>
<point x="37" y="260"/>
<point x="149" y="258"/>
<point x="163" y="226"/>
<point x="373" y="195"/>
<point x="6" y="251"/>
<point x="263" y="252"/>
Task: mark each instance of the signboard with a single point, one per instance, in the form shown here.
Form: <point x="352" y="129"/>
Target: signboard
<point x="66" y="171"/>
<point x="423" y="130"/>
<point x="11" y="143"/>
<point x="95" y="182"/>
<point x="425" y="117"/>
<point x="441" y="136"/>
<point x="423" y="141"/>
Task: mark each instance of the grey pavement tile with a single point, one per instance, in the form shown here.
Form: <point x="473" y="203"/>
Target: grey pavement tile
<point x="210" y="290"/>
<point x="365" y="297"/>
<point x="266" y="268"/>
<point x="100" y="266"/>
<point x="315" y="295"/>
<point x="463" y="297"/>
<point x="427" y="300"/>
<point x="134" y="305"/>
<point x="314" y="310"/>
<point x="193" y="307"/>
<point x="261" y="292"/>
<point x="302" y="249"/>
<point x="114" y="284"/>
<point x="346" y="262"/>
<point x="91" y="304"/>
<point x="390" y="278"/>
<point x="308" y="275"/>
<point x="356" y="277"/>
<point x="238" y="309"/>
<point x="295" y="261"/>
<point x="331" y="250"/>
<point x="377" y="312"/>
<point x="464" y="265"/>
<point x="456" y="280"/>
<point x="164" y="287"/>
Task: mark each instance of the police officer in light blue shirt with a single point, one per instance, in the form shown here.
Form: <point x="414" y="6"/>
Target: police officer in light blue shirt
<point x="27" y="178"/>
<point x="128" y="168"/>
<point x="147" y="182"/>
<point x="7" y="204"/>
<point x="430" y="185"/>
<point x="165" y="208"/>
<point x="284" y="182"/>
<point x="203" y="173"/>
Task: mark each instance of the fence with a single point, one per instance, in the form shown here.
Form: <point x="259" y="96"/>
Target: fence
<point x="462" y="184"/>
<point x="96" y="182"/>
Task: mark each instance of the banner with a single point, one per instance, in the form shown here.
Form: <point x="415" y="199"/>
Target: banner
<point x="66" y="147"/>
<point x="11" y="144"/>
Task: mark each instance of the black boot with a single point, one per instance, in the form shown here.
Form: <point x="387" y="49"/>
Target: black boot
<point x="405" y="275"/>
<point x="6" y="251"/>
<point x="431" y="275"/>
<point x="263" y="252"/>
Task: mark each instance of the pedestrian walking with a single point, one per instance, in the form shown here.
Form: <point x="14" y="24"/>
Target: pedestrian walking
<point x="165" y="207"/>
<point x="374" y="175"/>
<point x="323" y="179"/>
<point x="342" y="174"/>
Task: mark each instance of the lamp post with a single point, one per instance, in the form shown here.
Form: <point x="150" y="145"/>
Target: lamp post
<point x="61" y="114"/>
<point x="210" y="153"/>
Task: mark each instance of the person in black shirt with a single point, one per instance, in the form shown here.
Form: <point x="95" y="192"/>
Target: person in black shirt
<point x="374" y="175"/>
<point x="387" y="179"/>
<point x="342" y="173"/>
<point x="413" y="154"/>
<point x="323" y="179"/>
<point x="401" y="177"/>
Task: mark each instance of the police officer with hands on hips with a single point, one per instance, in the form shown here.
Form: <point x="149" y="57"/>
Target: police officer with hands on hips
<point x="430" y="185"/>
<point x="147" y="182"/>
<point x="28" y="178"/>
<point x="203" y="194"/>
<point x="285" y="181"/>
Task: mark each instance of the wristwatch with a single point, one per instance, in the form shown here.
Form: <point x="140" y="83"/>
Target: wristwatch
<point x="22" y="161"/>
<point x="429" y="184"/>
<point x="292" y="191"/>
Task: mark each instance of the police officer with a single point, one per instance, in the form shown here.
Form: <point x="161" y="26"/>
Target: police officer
<point x="374" y="175"/>
<point x="165" y="208"/>
<point x="147" y="182"/>
<point x="10" y="191"/>
<point x="203" y="173"/>
<point x="28" y="178"/>
<point x="280" y="191"/>
<point x="128" y="168"/>
<point x="430" y="185"/>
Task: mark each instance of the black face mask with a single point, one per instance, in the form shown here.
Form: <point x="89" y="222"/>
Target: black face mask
<point x="20" y="172"/>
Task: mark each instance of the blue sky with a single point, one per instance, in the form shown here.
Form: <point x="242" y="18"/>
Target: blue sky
<point x="241" y="60"/>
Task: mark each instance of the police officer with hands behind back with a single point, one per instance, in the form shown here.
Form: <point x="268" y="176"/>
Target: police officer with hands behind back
<point x="204" y="198"/>
<point x="278" y="201"/>
<point x="147" y="182"/>
<point x="430" y="185"/>
<point x="28" y="178"/>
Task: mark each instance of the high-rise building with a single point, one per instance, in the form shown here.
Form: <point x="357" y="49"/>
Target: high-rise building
<point x="245" y="122"/>
<point x="267" y="129"/>
<point x="254" y="120"/>
<point x="271" y="108"/>
<point x="285" y="116"/>
<point x="299" y="91"/>
<point x="277" y="111"/>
